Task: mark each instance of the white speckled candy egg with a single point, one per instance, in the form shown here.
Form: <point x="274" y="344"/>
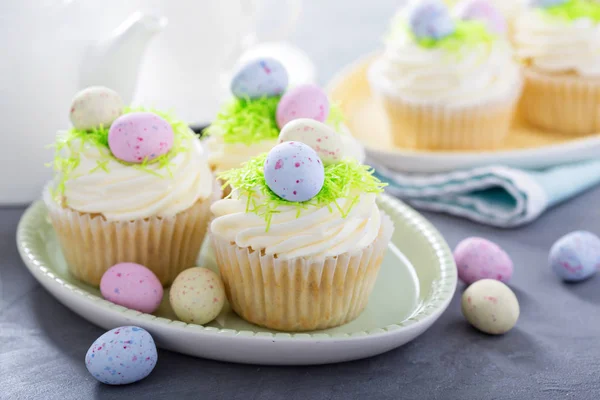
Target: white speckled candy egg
<point x="575" y="256"/>
<point x="477" y="258"/>
<point x="123" y="355"/>
<point x="197" y="295"/>
<point x="304" y="101"/>
<point x="140" y="135"/>
<point x="326" y="142"/>
<point x="260" y="78"/>
<point x="133" y="286"/>
<point x="294" y="172"/>
<point x="490" y="306"/>
<point x="95" y="106"/>
<point x="431" y="19"/>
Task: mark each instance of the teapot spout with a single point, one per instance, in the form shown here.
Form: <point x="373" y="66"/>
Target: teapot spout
<point x="115" y="61"/>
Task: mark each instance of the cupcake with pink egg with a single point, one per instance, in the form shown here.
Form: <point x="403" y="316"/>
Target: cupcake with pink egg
<point x="131" y="185"/>
<point x="300" y="239"/>
<point x="249" y="123"/>
<point x="448" y="78"/>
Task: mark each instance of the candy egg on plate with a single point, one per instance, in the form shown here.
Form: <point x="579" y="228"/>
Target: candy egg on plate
<point x="95" y="106"/>
<point x="304" y="101"/>
<point x="575" y="256"/>
<point x="294" y="171"/>
<point x="140" y="136"/>
<point x="133" y="286"/>
<point x="477" y="258"/>
<point x="197" y="295"/>
<point x="122" y="355"/>
<point x="260" y="78"/>
<point x="490" y="306"/>
<point x="326" y="142"/>
<point x="430" y="19"/>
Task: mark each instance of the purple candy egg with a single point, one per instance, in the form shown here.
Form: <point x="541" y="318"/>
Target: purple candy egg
<point x="138" y="136"/>
<point x="294" y="171"/>
<point x="304" y="101"/>
<point x="430" y="19"/>
<point x="260" y="78"/>
<point x="484" y="11"/>
<point x="478" y="258"/>
<point x="575" y="256"/>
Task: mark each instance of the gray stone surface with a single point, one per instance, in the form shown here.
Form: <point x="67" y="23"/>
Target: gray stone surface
<point x="553" y="353"/>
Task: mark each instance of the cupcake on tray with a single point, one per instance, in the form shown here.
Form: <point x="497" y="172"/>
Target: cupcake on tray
<point x="558" y="41"/>
<point x="300" y="239"/>
<point x="447" y="81"/>
<point x="249" y="124"/>
<point x="130" y="185"/>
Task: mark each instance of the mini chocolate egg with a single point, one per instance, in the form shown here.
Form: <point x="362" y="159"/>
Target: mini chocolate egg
<point x="478" y="258"/>
<point x="260" y="78"/>
<point x="546" y="3"/>
<point x="95" y="106"/>
<point x="294" y="172"/>
<point x="140" y="135"/>
<point x="122" y="355"/>
<point x="575" y="256"/>
<point x="431" y="19"/>
<point x="133" y="286"/>
<point x="304" y="101"/>
<point x="490" y="306"/>
<point x="197" y="295"/>
<point x="326" y="142"/>
<point x="484" y="11"/>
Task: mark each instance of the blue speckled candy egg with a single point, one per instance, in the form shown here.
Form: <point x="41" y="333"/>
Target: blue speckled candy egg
<point x="294" y="171"/>
<point x="123" y="355"/>
<point x="431" y="20"/>
<point x="546" y="3"/>
<point x="258" y="78"/>
<point x="575" y="256"/>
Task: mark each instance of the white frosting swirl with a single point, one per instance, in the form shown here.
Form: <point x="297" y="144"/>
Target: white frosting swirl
<point x="317" y="232"/>
<point x="557" y="45"/>
<point x="472" y="75"/>
<point x="225" y="156"/>
<point x="125" y="193"/>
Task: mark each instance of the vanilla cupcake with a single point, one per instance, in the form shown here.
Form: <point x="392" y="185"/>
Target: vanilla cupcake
<point x="300" y="240"/>
<point x="559" y="44"/>
<point x="447" y="83"/>
<point x="139" y="191"/>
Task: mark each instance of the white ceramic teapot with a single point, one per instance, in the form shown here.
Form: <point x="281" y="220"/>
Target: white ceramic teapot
<point x="50" y="50"/>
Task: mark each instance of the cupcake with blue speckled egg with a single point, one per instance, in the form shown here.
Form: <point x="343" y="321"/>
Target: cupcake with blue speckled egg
<point x="448" y="79"/>
<point x="300" y="239"/>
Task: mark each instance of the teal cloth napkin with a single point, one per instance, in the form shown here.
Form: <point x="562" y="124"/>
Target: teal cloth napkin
<point x="493" y="195"/>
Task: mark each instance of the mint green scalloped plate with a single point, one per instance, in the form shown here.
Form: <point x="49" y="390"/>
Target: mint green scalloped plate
<point x="415" y="285"/>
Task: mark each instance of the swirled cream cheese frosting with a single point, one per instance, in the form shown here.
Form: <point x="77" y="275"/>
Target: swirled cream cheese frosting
<point x="317" y="232"/>
<point x="224" y="156"/>
<point x="558" y="45"/>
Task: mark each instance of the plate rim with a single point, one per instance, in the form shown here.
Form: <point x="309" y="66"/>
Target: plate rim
<point x="435" y="304"/>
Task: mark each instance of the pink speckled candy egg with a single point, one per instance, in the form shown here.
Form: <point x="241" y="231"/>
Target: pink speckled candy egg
<point x="197" y="295"/>
<point x="484" y="11"/>
<point x="138" y="136"/>
<point x="326" y="142"/>
<point x="478" y="258"/>
<point x="294" y="172"/>
<point x="304" y="101"/>
<point x="95" y="106"/>
<point x="133" y="286"/>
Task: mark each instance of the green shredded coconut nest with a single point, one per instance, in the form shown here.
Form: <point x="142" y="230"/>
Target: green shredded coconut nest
<point x="249" y="121"/>
<point x="344" y="180"/>
<point x="65" y="164"/>
<point x="575" y="9"/>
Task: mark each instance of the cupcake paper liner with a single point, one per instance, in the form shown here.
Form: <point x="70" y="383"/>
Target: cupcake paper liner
<point x="302" y="293"/>
<point x="564" y="103"/>
<point x="165" y="245"/>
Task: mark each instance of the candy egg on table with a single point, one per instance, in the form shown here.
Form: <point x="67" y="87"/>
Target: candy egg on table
<point x="122" y="355"/>
<point x="326" y="142"/>
<point x="95" y="106"/>
<point x="431" y="20"/>
<point x="133" y="286"/>
<point x="484" y="11"/>
<point x="140" y="136"/>
<point x="575" y="256"/>
<point x="490" y="306"/>
<point x="259" y="78"/>
<point x="197" y="295"/>
<point x="304" y="101"/>
<point x="477" y="258"/>
<point x="294" y="171"/>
